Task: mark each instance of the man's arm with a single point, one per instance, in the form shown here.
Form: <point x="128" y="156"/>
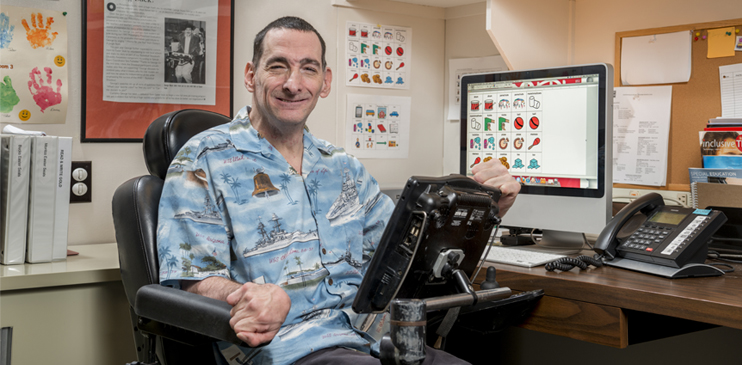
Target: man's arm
<point x="493" y="173"/>
<point x="258" y="310"/>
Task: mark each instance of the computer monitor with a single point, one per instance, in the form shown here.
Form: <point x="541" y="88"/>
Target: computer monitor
<point x="438" y="220"/>
<point x="552" y="129"/>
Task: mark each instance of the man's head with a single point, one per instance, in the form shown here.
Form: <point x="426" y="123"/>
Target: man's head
<point x="287" y="75"/>
<point x="288" y="22"/>
<point x="188" y="30"/>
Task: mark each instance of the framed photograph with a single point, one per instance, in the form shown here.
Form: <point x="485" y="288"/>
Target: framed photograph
<point x="144" y="59"/>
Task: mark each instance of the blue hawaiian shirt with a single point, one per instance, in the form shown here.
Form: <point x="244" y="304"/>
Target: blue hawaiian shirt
<point x="233" y="207"/>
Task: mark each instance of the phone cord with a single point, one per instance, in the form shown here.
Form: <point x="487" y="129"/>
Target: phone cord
<point x="568" y="263"/>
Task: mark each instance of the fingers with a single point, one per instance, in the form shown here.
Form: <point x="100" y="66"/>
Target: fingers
<point x="258" y="311"/>
<point x="48" y="75"/>
<point x="25" y="24"/>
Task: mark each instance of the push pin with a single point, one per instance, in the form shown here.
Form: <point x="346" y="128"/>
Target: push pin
<point x="698" y="33"/>
<point x="704" y="37"/>
<point x="695" y="39"/>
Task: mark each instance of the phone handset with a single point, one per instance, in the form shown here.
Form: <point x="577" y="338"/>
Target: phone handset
<point x="608" y="238"/>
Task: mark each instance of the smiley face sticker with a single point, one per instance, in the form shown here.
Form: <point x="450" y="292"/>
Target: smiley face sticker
<point x="24" y="115"/>
<point x="59" y="61"/>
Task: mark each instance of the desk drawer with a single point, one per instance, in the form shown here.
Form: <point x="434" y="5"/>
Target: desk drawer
<point x="599" y="324"/>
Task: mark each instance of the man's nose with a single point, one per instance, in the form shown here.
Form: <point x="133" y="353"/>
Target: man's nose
<point x="293" y="81"/>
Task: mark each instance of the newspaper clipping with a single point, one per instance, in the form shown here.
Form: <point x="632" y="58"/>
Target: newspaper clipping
<point x="160" y="51"/>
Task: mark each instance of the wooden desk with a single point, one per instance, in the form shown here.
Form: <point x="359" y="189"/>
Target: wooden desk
<point x="617" y="307"/>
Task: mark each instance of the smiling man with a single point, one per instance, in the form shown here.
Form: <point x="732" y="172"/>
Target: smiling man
<point x="278" y="223"/>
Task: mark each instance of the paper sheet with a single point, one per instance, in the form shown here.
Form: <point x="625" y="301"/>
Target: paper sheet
<point x="145" y="58"/>
<point x="730" y="81"/>
<point x="656" y="59"/>
<point x="721" y="42"/>
<point x="33" y="65"/>
<point x="465" y="66"/>
<point x="379" y="56"/>
<point x="378" y="126"/>
<point x="641" y="129"/>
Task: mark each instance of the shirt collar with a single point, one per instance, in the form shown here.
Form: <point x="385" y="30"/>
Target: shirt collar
<point x="246" y="138"/>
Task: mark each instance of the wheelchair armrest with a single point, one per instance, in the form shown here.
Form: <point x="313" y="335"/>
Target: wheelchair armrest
<point x="196" y="318"/>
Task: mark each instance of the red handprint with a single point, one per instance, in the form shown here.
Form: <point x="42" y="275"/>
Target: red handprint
<point x="40" y="35"/>
<point x="42" y="92"/>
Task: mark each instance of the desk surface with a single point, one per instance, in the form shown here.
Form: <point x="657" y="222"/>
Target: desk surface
<point x="94" y="264"/>
<point x="609" y="293"/>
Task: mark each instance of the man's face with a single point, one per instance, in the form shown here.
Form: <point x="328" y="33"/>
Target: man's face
<point x="288" y="79"/>
<point x="187" y="32"/>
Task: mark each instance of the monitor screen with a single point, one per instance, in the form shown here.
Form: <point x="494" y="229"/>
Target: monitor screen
<point x="549" y="128"/>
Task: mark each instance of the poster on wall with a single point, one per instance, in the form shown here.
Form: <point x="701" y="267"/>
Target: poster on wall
<point x="378" y="126"/>
<point x="33" y="65"/>
<point x="162" y="52"/>
<point x="378" y="56"/>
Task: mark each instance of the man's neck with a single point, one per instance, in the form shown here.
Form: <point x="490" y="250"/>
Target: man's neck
<point x="289" y="142"/>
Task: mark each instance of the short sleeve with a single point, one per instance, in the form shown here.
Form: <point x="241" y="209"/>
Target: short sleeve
<point x="192" y="234"/>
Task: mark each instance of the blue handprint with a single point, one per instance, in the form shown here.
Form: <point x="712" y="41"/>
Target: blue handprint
<point x="6" y="31"/>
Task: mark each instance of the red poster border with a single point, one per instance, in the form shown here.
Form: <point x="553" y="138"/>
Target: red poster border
<point x="105" y="121"/>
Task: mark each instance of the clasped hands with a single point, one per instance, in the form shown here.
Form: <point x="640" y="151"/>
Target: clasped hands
<point x="258" y="311"/>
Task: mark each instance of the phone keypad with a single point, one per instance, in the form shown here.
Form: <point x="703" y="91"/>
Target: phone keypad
<point x="646" y="236"/>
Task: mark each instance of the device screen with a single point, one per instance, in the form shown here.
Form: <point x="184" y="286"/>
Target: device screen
<point x="668" y="218"/>
<point x="544" y="130"/>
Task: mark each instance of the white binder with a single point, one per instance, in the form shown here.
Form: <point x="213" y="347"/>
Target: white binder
<point x="62" y="205"/>
<point x="42" y="199"/>
<point x="14" y="182"/>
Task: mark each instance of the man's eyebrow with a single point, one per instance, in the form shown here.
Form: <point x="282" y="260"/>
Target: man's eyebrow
<point x="281" y="59"/>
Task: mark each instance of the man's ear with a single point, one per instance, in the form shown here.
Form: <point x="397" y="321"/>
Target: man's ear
<point x="327" y="83"/>
<point x="250" y="77"/>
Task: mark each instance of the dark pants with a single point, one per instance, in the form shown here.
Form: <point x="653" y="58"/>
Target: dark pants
<point x="343" y="356"/>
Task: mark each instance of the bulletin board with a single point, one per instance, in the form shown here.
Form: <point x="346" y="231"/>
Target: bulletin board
<point x="693" y="102"/>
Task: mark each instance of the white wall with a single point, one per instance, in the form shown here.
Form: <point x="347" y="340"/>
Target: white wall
<point x="114" y="163"/>
<point x="466" y="37"/>
<point x="531" y="33"/>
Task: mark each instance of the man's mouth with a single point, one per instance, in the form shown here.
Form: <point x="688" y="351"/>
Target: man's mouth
<point x="291" y="100"/>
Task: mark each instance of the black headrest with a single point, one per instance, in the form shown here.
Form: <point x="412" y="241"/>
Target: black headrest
<point x="168" y="133"/>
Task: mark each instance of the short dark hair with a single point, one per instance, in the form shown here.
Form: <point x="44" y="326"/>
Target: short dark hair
<point x="287" y="22"/>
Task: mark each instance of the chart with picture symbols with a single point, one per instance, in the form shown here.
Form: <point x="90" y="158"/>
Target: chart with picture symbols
<point x="378" y="56"/>
<point x="506" y="127"/>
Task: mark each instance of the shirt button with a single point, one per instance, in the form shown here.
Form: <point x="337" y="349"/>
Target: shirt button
<point x="329" y="281"/>
<point x="324" y="252"/>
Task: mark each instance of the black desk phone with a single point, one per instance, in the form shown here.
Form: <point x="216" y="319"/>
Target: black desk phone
<point x="647" y="230"/>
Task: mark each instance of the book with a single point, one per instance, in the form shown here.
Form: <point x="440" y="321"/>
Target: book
<point x="722" y="176"/>
<point x="724" y="121"/>
<point x="715" y="195"/>
<point x="62" y="204"/>
<point x="721" y="149"/>
<point x="41" y="199"/>
<point x="14" y="179"/>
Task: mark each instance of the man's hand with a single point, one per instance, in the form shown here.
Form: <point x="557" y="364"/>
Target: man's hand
<point x="258" y="312"/>
<point x="493" y="173"/>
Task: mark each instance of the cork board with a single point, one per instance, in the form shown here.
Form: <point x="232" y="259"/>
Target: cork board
<point x="693" y="102"/>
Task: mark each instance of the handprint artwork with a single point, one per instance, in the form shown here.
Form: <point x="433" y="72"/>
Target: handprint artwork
<point x="43" y="93"/>
<point x="8" y="97"/>
<point x="39" y="36"/>
<point x="6" y="31"/>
